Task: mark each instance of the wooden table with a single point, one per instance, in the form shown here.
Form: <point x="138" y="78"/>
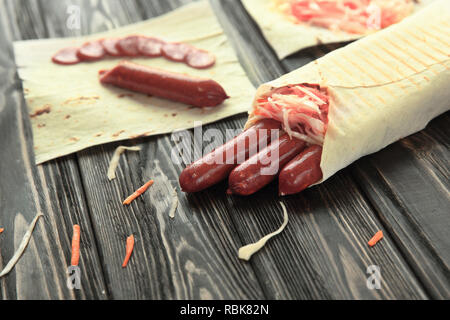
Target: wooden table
<point x="323" y="253"/>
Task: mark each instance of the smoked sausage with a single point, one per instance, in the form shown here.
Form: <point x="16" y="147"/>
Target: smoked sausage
<point x="200" y="59"/>
<point x="195" y="91"/>
<point x="260" y="169"/>
<point x="136" y="46"/>
<point x="66" y="56"/>
<point x="176" y="51"/>
<point x="110" y="46"/>
<point x="216" y="165"/>
<point x="128" y="46"/>
<point x="301" y="172"/>
<point x="91" y="51"/>
<point x="150" y="47"/>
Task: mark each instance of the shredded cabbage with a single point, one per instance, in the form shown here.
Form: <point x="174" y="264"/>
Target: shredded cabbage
<point x="302" y="110"/>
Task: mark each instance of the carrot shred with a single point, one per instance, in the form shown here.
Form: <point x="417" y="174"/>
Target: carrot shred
<point x="129" y="250"/>
<point x="1" y="230"/>
<point x="75" y="246"/>
<point x="137" y="193"/>
<point x="377" y="237"/>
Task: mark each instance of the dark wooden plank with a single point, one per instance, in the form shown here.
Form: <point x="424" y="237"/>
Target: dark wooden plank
<point x="192" y="256"/>
<point x="54" y="189"/>
<point x="201" y="262"/>
<point x="248" y="42"/>
<point x="408" y="185"/>
<point x="323" y="252"/>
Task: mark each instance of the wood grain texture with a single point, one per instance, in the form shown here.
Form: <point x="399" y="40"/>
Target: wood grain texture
<point x="53" y="189"/>
<point x="188" y="257"/>
<point x="408" y="185"/>
<point x="322" y="254"/>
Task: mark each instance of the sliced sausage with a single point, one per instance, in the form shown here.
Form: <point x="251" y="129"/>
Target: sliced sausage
<point x="110" y="46"/>
<point x="195" y="91"/>
<point x="301" y="172"/>
<point x="128" y="46"/>
<point x="260" y="169"/>
<point x="91" y="51"/>
<point x="217" y="165"/>
<point x="150" y="47"/>
<point x="66" y="56"/>
<point x="200" y="59"/>
<point x="176" y="51"/>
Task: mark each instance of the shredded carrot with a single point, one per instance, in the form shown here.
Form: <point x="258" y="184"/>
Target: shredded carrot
<point x="129" y="250"/>
<point x="1" y="230"/>
<point x="75" y="245"/>
<point x="377" y="237"/>
<point x="138" y="192"/>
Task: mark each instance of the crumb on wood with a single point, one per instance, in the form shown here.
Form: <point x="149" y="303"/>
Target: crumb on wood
<point x="98" y="134"/>
<point x="41" y="125"/>
<point x="67" y="116"/>
<point x="45" y="109"/>
<point x="74" y="139"/>
<point x="174" y="114"/>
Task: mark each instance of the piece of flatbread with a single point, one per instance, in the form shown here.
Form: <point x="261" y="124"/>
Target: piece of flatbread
<point x="287" y="37"/>
<point x="72" y="110"/>
<point x="381" y="88"/>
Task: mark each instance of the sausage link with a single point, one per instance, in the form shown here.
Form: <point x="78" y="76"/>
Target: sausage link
<point x="215" y="166"/>
<point x="195" y="91"/>
<point x="301" y="172"/>
<point x="66" y="56"/>
<point x="249" y="177"/>
<point x="91" y="51"/>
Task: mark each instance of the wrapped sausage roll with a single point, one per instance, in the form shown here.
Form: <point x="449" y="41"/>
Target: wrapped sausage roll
<point x="363" y="97"/>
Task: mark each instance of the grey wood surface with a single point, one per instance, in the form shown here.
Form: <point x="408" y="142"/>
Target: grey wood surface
<point x="322" y="254"/>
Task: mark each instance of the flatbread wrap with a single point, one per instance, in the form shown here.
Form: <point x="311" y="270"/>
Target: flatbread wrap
<point x="292" y="25"/>
<point x="348" y="104"/>
<point x="381" y="88"/>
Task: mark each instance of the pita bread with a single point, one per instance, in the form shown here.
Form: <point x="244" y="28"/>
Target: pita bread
<point x="381" y="88"/>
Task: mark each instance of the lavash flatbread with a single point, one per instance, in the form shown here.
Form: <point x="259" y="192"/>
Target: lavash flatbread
<point x="287" y="37"/>
<point x="83" y="113"/>
<point x="381" y="88"/>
